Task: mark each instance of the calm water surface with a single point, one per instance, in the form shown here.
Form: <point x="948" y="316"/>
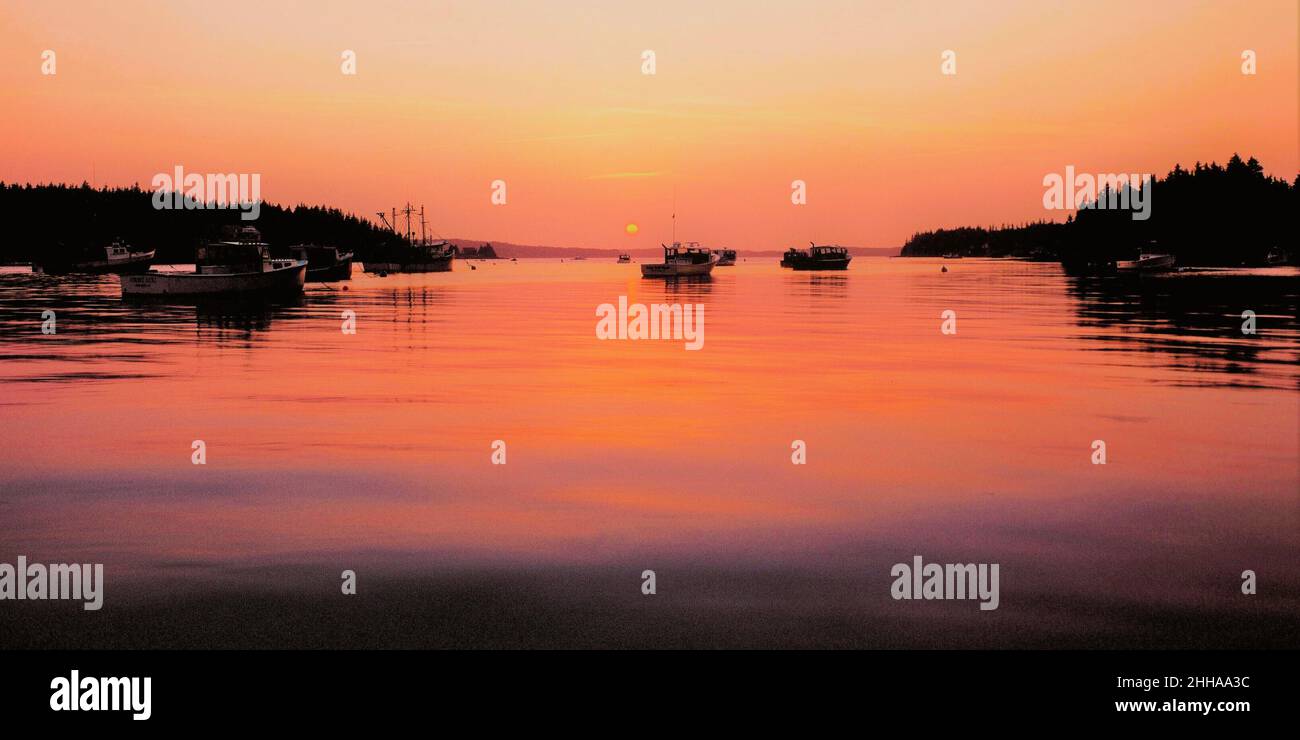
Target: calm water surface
<point x="372" y="451"/>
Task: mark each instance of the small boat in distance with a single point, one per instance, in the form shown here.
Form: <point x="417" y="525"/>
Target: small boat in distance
<point x="726" y="257"/>
<point x="682" y="260"/>
<point x="118" y="258"/>
<point x="624" y="259"/>
<point x="240" y="266"/>
<point x="406" y="253"/>
<point x="1146" y="262"/>
<point x="1276" y="257"/>
<point x="324" y="264"/>
<point x="817" y="258"/>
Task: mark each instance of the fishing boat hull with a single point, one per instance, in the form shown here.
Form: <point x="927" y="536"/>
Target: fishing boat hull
<point x="286" y="280"/>
<point x="325" y="264"/>
<point x="682" y="260"/>
<point x="342" y="270"/>
<point x="803" y="262"/>
<point x="439" y="265"/>
<point x="839" y="264"/>
<point x="672" y="270"/>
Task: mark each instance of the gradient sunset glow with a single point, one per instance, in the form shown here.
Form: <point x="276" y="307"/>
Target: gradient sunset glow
<point x="746" y="97"/>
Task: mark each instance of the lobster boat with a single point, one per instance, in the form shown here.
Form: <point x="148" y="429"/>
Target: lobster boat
<point x="817" y="258"/>
<point x="682" y="260"/>
<point x="118" y="257"/>
<point x="240" y="267"/>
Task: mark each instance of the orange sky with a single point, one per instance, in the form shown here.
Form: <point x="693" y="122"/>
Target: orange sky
<point x="550" y="97"/>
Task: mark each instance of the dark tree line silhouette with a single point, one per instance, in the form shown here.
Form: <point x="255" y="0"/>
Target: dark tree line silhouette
<point x="1207" y="215"/>
<point x="1210" y="215"/>
<point x="65" y="221"/>
<point x="1038" y="239"/>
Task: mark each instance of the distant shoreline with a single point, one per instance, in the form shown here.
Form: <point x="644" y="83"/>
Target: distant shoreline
<point x="506" y="250"/>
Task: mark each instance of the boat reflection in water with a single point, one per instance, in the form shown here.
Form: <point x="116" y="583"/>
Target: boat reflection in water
<point x="1192" y="322"/>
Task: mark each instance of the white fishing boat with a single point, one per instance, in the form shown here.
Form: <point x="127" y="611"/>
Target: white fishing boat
<point x="682" y="260"/>
<point x="1147" y="262"/>
<point x="726" y="257"/>
<point x="624" y="259"/>
<point x="118" y="257"/>
<point x="240" y="267"/>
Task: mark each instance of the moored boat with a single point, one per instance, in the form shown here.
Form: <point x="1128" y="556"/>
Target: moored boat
<point x="435" y="257"/>
<point x="119" y="257"/>
<point x="817" y="258"/>
<point x="1146" y="262"/>
<point x="324" y="264"/>
<point x="682" y="260"/>
<point x="239" y="267"/>
<point x="726" y="257"/>
<point x="624" y="258"/>
<point x="407" y="253"/>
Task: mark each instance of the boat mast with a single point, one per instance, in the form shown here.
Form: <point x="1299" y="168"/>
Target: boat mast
<point x="423" y="238"/>
<point x="674" y="214"/>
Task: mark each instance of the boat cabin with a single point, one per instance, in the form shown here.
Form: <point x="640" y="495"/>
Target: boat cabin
<point x="688" y="252"/>
<point x="118" y="249"/>
<point x="228" y="257"/>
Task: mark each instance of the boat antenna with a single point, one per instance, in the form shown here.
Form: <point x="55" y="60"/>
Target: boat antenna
<point x="674" y="214"/>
